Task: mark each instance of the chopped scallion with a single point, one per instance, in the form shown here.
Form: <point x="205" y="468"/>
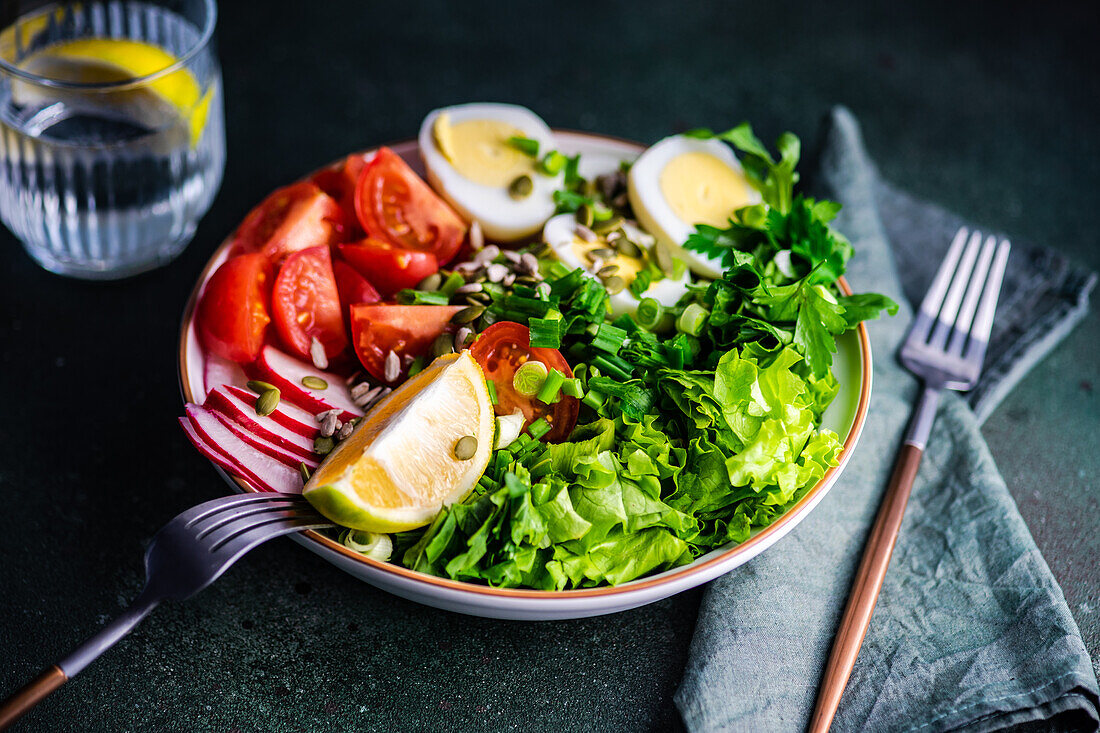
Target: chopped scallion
<point x="552" y="163"/>
<point x="572" y="388"/>
<point x="529" y="378"/>
<point x="492" y="387"/>
<point x="692" y="320"/>
<point x="525" y="145"/>
<point x="550" y="391"/>
<point x="609" y="338"/>
<point x="422" y="297"/>
<point x="649" y="313"/>
<point x="545" y="332"/>
<point x="453" y="282"/>
<point x="538" y="428"/>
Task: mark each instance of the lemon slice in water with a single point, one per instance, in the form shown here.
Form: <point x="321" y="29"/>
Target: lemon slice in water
<point x="424" y="446"/>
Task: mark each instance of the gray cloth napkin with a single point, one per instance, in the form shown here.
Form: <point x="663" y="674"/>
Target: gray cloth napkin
<point x="971" y="630"/>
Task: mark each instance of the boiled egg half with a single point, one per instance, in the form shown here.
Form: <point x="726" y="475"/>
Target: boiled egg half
<point x="680" y="182"/>
<point x="472" y="164"/>
<point x="592" y="254"/>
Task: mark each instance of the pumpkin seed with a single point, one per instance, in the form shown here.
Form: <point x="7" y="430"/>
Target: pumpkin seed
<point x="614" y="284"/>
<point x="431" y="282"/>
<point x="468" y="314"/>
<point x="323" y="446"/>
<point x="607" y="271"/>
<point x="664" y="258"/>
<point x="304" y="470"/>
<point x="628" y="248"/>
<point x="314" y="382"/>
<point x="607" y="225"/>
<point x="443" y="344"/>
<point x="585" y="215"/>
<point x="528" y="280"/>
<point x="465" y="448"/>
<point x="267" y="402"/>
<point x="260" y="387"/>
<point x="481" y="299"/>
<point x="521" y="188"/>
<point x="601" y="253"/>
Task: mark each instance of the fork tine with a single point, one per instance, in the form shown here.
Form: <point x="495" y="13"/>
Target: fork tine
<point x="214" y="506"/>
<point x="983" y="321"/>
<point x="248" y="537"/>
<point x="218" y="536"/>
<point x="242" y="512"/>
<point x="970" y="303"/>
<point x="950" y="309"/>
<point x="930" y="306"/>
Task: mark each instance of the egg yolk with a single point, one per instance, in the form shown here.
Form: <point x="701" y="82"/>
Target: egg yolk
<point x="702" y="189"/>
<point x="629" y="267"/>
<point x="478" y="150"/>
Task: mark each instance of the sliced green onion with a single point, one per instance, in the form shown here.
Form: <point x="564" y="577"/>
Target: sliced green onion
<point x="572" y="388"/>
<point x="692" y="320"/>
<point x="545" y="332"/>
<point x="538" y="428"/>
<point x="552" y="163"/>
<point x="649" y="313"/>
<point x="609" y="338"/>
<point x="550" y="391"/>
<point x="422" y="297"/>
<point x="492" y="387"/>
<point x="572" y="177"/>
<point x="529" y="378"/>
<point x="614" y="366"/>
<point x="525" y="145"/>
<point x="594" y="399"/>
<point x="453" y="282"/>
<point x="528" y="306"/>
<point x="626" y="323"/>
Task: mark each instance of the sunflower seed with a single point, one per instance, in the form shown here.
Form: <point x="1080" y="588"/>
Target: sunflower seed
<point x="465" y="448"/>
<point x="360" y="389"/>
<point x="367" y="397"/>
<point x="614" y="284"/>
<point x="323" y="445"/>
<point x="320" y="417"/>
<point x="477" y="238"/>
<point x="607" y="271"/>
<point x="259" y="387"/>
<point x="317" y="353"/>
<point x="392" y="368"/>
<point x="345" y="431"/>
<point x="509" y="280"/>
<point x="443" y="344"/>
<point x="487" y="255"/>
<point x="431" y="282"/>
<point x="466" y="268"/>
<point x="585" y="233"/>
<point x="352" y="378"/>
<point x="267" y="402"/>
<point x="463" y="337"/>
<point x="466" y="315"/>
<point x="512" y="256"/>
<point x="313" y="382"/>
<point x="407" y="360"/>
<point x="529" y="263"/>
<point x="469" y="288"/>
<point x="496" y="273"/>
<point x="621" y="201"/>
<point x="330" y="425"/>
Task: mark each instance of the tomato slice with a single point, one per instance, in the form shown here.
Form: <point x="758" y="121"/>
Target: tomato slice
<point x="232" y="314"/>
<point x="292" y="218"/>
<point x="353" y="287"/>
<point x="339" y="181"/>
<point x="395" y="205"/>
<point x="501" y="349"/>
<point x="405" y="329"/>
<point x="388" y="267"/>
<point x="306" y="304"/>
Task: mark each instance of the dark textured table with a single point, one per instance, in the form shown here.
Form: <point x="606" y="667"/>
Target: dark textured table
<point x="993" y="113"/>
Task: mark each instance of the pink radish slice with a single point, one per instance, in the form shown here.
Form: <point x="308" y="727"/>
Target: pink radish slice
<point x="266" y="447"/>
<point x="244" y="414"/>
<point x="219" y="371"/>
<point x="287" y="414"/>
<point x="216" y="455"/>
<point x="254" y="465"/>
<point x="286" y="373"/>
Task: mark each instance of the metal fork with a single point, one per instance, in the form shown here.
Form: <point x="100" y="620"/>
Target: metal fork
<point x="186" y="555"/>
<point x="945" y="347"/>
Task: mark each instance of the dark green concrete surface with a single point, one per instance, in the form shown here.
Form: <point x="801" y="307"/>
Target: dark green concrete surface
<point x="990" y="109"/>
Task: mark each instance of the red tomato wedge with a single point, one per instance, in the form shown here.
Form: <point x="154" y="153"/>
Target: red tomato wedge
<point x="500" y="350"/>
<point x="388" y="267"/>
<point x="407" y="330"/>
<point x="232" y="313"/>
<point x="292" y="218"/>
<point x="306" y="304"/>
<point x="340" y="181"/>
<point x="353" y="287"/>
<point x="393" y="204"/>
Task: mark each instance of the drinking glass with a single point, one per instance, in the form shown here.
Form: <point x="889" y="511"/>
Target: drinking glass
<point x="112" y="134"/>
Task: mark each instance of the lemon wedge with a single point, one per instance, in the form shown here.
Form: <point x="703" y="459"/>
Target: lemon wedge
<point x="424" y="446"/>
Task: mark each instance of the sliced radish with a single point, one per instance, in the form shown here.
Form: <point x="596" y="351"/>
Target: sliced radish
<point x="287" y="414"/>
<point x="286" y="373"/>
<point x="219" y="371"/>
<point x="256" y="467"/>
<point x="244" y="414"/>
<point x="217" y="456"/>
<point x="282" y="455"/>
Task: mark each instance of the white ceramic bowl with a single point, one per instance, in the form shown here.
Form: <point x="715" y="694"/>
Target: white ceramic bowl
<point x="845" y="416"/>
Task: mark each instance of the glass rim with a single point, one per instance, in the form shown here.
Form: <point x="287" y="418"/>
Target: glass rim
<point x="135" y="81"/>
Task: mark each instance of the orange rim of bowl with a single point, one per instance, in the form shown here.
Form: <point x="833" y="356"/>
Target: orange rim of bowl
<point x="778" y="526"/>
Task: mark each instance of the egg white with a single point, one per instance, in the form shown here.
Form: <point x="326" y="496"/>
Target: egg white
<point x="652" y="208"/>
<point x="502" y="218"/>
<point x="560" y="233"/>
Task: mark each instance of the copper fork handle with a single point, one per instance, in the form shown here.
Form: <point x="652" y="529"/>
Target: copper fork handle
<point x="865" y="589"/>
<point x="30" y="695"/>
